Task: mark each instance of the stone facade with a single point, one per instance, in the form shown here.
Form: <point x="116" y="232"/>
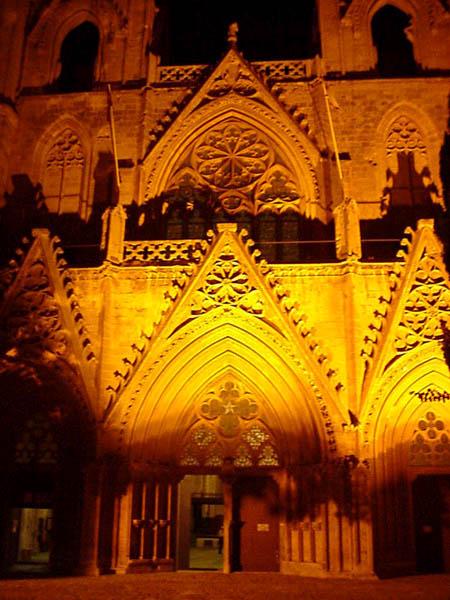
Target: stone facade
<point x="233" y="291"/>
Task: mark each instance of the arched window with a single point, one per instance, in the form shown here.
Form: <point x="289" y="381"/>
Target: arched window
<point x="390" y="36"/>
<point x="410" y="178"/>
<point x="78" y="55"/>
<point x="195" y="32"/>
<point x="63" y="174"/>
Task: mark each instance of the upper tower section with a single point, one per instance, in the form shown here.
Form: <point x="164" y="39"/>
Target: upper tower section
<point x="385" y="37"/>
<point x="60" y="46"/>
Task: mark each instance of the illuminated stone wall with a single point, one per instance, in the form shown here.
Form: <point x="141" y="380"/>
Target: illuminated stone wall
<point x="179" y="356"/>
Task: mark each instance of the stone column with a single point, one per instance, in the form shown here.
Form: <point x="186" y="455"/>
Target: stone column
<point x="123" y="519"/>
<point x="91" y="520"/>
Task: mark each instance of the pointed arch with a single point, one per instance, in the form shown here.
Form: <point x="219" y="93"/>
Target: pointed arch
<point x="164" y="402"/>
<point x="425" y="15"/>
<point x="419" y="135"/>
<point x="293" y="150"/>
<point x="397" y="411"/>
<point x="41" y="65"/>
<point x="61" y="161"/>
<point x="391" y="410"/>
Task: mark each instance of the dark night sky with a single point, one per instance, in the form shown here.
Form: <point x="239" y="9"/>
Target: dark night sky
<point x="195" y="31"/>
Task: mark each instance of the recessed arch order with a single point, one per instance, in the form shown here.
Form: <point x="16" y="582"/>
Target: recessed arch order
<point x="166" y="395"/>
<point x="297" y="153"/>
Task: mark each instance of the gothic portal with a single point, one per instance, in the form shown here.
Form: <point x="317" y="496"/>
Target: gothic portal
<point x="225" y="303"/>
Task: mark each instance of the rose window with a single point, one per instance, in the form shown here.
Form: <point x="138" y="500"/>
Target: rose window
<point x="232" y="157"/>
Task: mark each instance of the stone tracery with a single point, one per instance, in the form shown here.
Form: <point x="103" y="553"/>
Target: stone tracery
<point x="404" y="136"/>
<point x="227" y="284"/>
<point x="240" y="165"/>
<point x="64" y="167"/>
<point x="230" y="427"/>
<point x="431" y="442"/>
<point x="428" y="304"/>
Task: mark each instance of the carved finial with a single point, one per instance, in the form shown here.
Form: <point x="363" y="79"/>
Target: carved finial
<point x="232" y="37"/>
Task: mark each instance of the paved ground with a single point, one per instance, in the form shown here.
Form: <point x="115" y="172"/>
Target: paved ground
<point x="217" y="586"/>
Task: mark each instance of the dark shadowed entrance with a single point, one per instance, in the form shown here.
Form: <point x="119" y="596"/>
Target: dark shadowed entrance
<point x="431" y="497"/>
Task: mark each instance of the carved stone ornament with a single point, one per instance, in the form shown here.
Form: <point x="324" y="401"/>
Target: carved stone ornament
<point x="431" y="442"/>
<point x="427" y="305"/>
<point x="233" y="79"/>
<point x="277" y="192"/>
<point x="234" y="167"/>
<point x="228" y="406"/>
<point x="171" y="252"/>
<point x="223" y="432"/>
<point x="33" y="324"/>
<point x="232" y="157"/>
<point x="66" y="151"/>
<point x="227" y="284"/>
<point x="404" y="136"/>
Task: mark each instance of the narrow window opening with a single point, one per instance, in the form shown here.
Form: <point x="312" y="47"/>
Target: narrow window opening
<point x="78" y="55"/>
<point x="394" y="48"/>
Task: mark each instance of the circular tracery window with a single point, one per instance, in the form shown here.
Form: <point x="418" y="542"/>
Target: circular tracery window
<point x="232" y="157"/>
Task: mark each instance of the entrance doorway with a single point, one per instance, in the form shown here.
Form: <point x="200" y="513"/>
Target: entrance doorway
<point x="200" y="523"/>
<point x="431" y="500"/>
<point x="256" y="510"/>
<point x="31" y="538"/>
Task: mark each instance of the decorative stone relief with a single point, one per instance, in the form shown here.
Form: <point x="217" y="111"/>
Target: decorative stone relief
<point x="62" y="180"/>
<point x="290" y="308"/>
<point x="431" y="442"/>
<point x="227" y="284"/>
<point x="228" y="407"/>
<point x="224" y="432"/>
<point x="404" y="137"/>
<point x="232" y="157"/>
<point x="234" y="167"/>
<point x="66" y="151"/>
<point x="427" y="305"/>
<point x="277" y="192"/>
<point x="434" y="395"/>
<point x="172" y="252"/>
<point x="33" y="322"/>
<point x="234" y="78"/>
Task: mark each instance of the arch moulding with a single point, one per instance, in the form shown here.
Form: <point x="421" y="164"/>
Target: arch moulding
<point x="429" y="133"/>
<point x="44" y="42"/>
<point x="162" y="402"/>
<point x="299" y="153"/>
<point x="394" y="402"/>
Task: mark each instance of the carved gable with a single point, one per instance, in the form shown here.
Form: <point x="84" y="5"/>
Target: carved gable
<point x="230" y="285"/>
<point x="418" y="306"/>
<point x="234" y="148"/>
<point x="41" y="320"/>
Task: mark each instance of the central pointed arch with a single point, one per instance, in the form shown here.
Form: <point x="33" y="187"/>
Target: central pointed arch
<point x="234" y="94"/>
<point x="221" y="348"/>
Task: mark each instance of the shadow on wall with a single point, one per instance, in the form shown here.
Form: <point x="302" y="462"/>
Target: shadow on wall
<point x="25" y="208"/>
<point x="444" y="223"/>
<point x="406" y="198"/>
<point x="190" y="211"/>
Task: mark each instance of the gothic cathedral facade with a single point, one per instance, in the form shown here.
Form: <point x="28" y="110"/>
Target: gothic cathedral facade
<point x="225" y="303"/>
